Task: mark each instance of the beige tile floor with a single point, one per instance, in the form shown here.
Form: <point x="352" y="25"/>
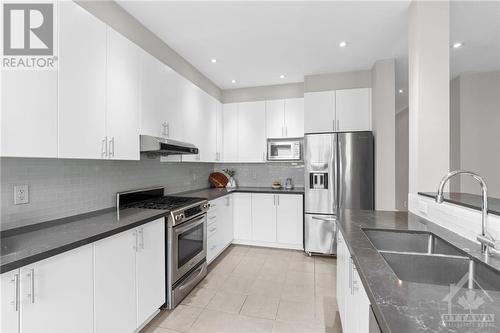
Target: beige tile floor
<point x="254" y="290"/>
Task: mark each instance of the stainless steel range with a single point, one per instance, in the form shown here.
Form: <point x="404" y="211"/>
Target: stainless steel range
<point x="186" y="237"/>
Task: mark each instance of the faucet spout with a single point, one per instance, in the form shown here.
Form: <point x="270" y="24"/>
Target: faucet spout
<point x="484" y="204"/>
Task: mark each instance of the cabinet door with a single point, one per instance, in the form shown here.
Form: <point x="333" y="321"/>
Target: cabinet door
<point x="82" y="83"/>
<point x="242" y="210"/>
<point x="63" y="293"/>
<point x="230" y="132"/>
<point x="319" y="111"/>
<point x="219" y="130"/>
<point x="9" y="301"/>
<point x="252" y="132"/>
<point x="29" y="113"/>
<point x="154" y="80"/>
<point x="290" y="217"/>
<point x="123" y="97"/>
<point x="275" y="118"/>
<point x="150" y="269"/>
<point x="294" y="117"/>
<point x="361" y="303"/>
<point x="353" y="109"/>
<point x="342" y="288"/>
<point x="225" y="216"/>
<point x="264" y="217"/>
<point x="115" y="283"/>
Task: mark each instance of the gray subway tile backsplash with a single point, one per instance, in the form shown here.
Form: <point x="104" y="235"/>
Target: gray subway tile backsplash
<point x="64" y="187"/>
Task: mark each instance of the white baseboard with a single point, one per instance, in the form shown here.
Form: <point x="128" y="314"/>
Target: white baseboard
<point x="268" y="244"/>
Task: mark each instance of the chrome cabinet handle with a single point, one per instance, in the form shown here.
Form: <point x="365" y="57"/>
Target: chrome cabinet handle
<point x="325" y="219"/>
<point x="278" y="198"/>
<point x="31" y="294"/>
<point x="274" y="199"/>
<point x="333" y="124"/>
<point x="141" y="242"/>
<point x="135" y="247"/>
<point x="15" y="302"/>
<point x="286" y="130"/>
<point x="166" y="129"/>
<point x="338" y="124"/>
<point x="112" y="147"/>
<point x="104" y="147"/>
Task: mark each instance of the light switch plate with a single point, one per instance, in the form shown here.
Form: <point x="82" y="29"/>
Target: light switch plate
<point x="21" y="194"/>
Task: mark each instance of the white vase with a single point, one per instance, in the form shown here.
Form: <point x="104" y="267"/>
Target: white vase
<point x="231" y="183"/>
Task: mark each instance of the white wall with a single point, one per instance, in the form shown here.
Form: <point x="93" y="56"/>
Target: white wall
<point x="402" y="160"/>
<point x="475" y="134"/>
<point x="383" y="83"/>
<point x="429" y="91"/>
<point x="334" y="81"/>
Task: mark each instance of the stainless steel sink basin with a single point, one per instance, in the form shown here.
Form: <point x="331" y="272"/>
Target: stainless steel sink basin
<point x="422" y="257"/>
<point x="410" y="241"/>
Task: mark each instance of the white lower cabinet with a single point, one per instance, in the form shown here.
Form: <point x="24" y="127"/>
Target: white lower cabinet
<point x="242" y="210"/>
<point x="129" y="277"/>
<point x="274" y="220"/>
<point x="220" y="226"/>
<point x="52" y="295"/>
<point x="353" y="303"/>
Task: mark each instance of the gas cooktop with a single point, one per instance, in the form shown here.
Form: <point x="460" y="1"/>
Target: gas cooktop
<point x="166" y="203"/>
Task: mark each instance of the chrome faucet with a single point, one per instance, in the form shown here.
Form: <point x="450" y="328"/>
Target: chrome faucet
<point x="488" y="243"/>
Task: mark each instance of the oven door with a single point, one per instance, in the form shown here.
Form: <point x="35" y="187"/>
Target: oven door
<point x="189" y="246"/>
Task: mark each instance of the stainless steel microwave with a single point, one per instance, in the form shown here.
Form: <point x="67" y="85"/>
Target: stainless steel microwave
<point x="284" y="150"/>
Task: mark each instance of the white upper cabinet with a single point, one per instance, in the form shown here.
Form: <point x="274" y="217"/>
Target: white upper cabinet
<point x="123" y="97"/>
<point x="200" y="124"/>
<point x="230" y="132"/>
<point x="82" y="84"/>
<point x="285" y="118"/>
<point x="275" y="118"/>
<point x="353" y="110"/>
<point x="154" y="80"/>
<point x="252" y="132"/>
<point x="338" y="111"/>
<point x="319" y="115"/>
<point x="294" y="117"/>
<point x="220" y="132"/>
<point x="29" y="113"/>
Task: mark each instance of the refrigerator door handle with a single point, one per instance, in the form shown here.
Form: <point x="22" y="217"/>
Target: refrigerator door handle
<point x="324" y="219"/>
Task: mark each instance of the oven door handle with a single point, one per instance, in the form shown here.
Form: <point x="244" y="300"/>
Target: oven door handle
<point x="194" y="223"/>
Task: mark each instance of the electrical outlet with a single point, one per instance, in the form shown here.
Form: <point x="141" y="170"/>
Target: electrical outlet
<point x="21" y="194"/>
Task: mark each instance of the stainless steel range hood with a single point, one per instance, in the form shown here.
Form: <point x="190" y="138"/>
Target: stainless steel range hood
<point x="153" y="145"/>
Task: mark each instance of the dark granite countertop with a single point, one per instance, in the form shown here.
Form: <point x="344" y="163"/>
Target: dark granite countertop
<point x="468" y="200"/>
<point x="214" y="193"/>
<point x="401" y="306"/>
<point x="26" y="245"/>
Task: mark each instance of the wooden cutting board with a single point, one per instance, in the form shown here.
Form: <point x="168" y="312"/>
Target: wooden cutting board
<point x="217" y="179"/>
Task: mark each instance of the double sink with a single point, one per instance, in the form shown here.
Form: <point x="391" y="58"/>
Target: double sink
<point x="423" y="257"/>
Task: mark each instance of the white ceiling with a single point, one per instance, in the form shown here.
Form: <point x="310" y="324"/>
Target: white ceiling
<point x="477" y="25"/>
<point x="255" y="42"/>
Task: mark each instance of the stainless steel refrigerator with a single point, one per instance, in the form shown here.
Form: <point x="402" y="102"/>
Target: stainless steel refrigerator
<point x="339" y="174"/>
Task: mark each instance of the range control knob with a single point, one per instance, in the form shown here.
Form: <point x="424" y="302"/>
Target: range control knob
<point x="178" y="217"/>
<point x="207" y="205"/>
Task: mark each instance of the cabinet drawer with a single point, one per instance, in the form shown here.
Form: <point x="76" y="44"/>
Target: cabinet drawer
<point x="211" y="229"/>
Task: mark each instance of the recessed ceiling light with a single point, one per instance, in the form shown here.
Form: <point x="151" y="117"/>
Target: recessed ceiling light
<point x="233" y="81"/>
<point x="457" y="45"/>
<point x="213" y="60"/>
<point x="400" y="91"/>
<point x="282" y="76"/>
<point x="343" y="43"/>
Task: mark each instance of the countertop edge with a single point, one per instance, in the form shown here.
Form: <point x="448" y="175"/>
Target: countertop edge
<point x="4" y="268"/>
